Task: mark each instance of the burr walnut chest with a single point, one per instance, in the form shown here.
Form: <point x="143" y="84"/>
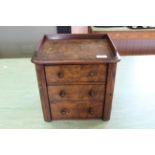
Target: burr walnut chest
<point x="76" y="75"/>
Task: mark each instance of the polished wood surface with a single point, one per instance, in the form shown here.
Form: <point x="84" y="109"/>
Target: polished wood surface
<point x="109" y="91"/>
<point x="75" y="76"/>
<point x="43" y="92"/>
<point x="75" y="49"/>
<point x="76" y="110"/>
<point x="132" y="42"/>
<point x="76" y="92"/>
<point x="75" y="73"/>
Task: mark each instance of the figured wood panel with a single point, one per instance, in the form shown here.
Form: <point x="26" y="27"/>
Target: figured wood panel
<point x="76" y="110"/>
<point x="75" y="73"/>
<point x="76" y="92"/>
<point x="109" y="91"/>
<point x="43" y="92"/>
<point x="75" y="49"/>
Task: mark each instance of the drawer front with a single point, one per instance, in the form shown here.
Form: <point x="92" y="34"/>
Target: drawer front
<point x="75" y="73"/>
<point x="76" y="110"/>
<point x="76" y="92"/>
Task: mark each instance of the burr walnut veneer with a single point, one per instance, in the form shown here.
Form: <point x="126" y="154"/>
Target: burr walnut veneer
<point x="76" y="75"/>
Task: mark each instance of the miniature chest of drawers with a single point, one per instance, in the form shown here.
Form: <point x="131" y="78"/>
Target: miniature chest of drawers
<point x="76" y="75"/>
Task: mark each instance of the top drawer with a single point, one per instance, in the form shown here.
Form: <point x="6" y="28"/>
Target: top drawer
<point x="76" y="73"/>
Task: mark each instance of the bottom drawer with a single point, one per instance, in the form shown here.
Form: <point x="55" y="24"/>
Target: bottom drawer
<point x="76" y="110"/>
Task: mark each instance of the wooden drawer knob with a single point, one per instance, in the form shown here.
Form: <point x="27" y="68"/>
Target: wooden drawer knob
<point x="91" y="111"/>
<point x="62" y="93"/>
<point x="64" y="111"/>
<point x="92" y="93"/>
<point x="60" y="74"/>
<point x="92" y="74"/>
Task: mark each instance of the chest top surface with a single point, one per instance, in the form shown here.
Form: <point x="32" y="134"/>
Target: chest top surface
<point x="68" y="48"/>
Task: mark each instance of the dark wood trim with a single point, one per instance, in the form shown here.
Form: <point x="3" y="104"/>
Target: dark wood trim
<point x="109" y="91"/>
<point x="116" y="53"/>
<point x="75" y="36"/>
<point x="43" y="92"/>
<point x="75" y="62"/>
<point x="77" y="83"/>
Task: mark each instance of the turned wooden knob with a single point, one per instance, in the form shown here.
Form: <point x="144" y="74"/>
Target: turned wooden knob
<point x="60" y="74"/>
<point x="92" y="73"/>
<point x="92" y="93"/>
<point x="62" y="93"/>
<point x="91" y="111"/>
<point x="64" y="111"/>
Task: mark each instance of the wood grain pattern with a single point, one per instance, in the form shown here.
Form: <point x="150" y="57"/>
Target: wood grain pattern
<point x="132" y="42"/>
<point x="109" y="91"/>
<point x="76" y="92"/>
<point x="43" y="92"/>
<point x="131" y="34"/>
<point x="135" y="46"/>
<point x="76" y="110"/>
<point x="83" y="49"/>
<point x="72" y="79"/>
<point x="75" y="49"/>
<point x="76" y="73"/>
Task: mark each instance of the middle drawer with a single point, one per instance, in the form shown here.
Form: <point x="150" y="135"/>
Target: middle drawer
<point x="76" y="92"/>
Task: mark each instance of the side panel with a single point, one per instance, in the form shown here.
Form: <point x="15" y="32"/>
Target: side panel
<point x="43" y="92"/>
<point x="109" y="91"/>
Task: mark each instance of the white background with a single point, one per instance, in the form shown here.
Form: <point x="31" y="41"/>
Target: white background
<point x="77" y="12"/>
